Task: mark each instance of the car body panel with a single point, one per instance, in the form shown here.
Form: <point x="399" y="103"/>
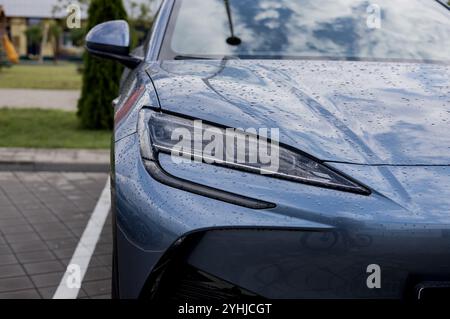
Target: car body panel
<point x="357" y="112"/>
<point x="327" y="265"/>
<point x="136" y="91"/>
<point x="398" y="193"/>
<point x="151" y="217"/>
<point x="424" y="191"/>
<point x="385" y="124"/>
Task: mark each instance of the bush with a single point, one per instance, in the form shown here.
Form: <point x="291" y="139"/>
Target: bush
<point x="100" y="77"/>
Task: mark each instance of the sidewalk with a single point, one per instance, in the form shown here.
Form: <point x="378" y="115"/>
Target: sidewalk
<point x="46" y="99"/>
<point x="66" y="160"/>
<point x="43" y="216"/>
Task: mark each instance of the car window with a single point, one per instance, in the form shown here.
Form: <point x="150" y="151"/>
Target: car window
<point x="402" y="30"/>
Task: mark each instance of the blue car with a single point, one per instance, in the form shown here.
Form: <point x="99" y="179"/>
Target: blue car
<point x="282" y="149"/>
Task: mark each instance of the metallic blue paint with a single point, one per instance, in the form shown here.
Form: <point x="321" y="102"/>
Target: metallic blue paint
<point x="355" y="112"/>
<point x="375" y="229"/>
<point x="384" y="124"/>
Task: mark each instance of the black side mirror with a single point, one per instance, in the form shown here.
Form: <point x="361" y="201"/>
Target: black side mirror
<point x="111" y="40"/>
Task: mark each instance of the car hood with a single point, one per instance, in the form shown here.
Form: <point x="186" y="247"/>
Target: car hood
<point x="339" y="111"/>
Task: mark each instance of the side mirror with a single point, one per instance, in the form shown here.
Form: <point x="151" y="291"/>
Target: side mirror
<point x="111" y="40"/>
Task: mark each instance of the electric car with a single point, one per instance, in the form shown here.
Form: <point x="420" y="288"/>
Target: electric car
<point x="282" y="149"/>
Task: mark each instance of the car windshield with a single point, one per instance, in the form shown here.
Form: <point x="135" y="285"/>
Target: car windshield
<point x="398" y="30"/>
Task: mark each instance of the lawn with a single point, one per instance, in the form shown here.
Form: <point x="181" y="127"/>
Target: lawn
<point x="63" y="76"/>
<point x="47" y="129"/>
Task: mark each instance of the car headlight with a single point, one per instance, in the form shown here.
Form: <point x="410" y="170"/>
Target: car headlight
<point x="187" y="139"/>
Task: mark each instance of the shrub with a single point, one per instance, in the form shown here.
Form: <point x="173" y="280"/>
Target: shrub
<point x="100" y="77"/>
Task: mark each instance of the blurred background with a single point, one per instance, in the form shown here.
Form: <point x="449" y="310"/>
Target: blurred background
<point x="43" y="68"/>
<point x="55" y="129"/>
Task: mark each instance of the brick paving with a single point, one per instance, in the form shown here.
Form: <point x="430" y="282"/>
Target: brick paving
<point x="42" y="216"/>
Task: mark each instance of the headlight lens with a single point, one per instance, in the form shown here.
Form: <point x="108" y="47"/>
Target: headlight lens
<point x="191" y="140"/>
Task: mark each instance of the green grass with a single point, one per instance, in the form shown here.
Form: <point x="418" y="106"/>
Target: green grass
<point x="63" y="76"/>
<point x="47" y="129"/>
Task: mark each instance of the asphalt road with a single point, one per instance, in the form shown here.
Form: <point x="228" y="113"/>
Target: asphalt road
<point x="42" y="217"/>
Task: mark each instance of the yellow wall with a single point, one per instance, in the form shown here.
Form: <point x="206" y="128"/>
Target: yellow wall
<point x="18" y="27"/>
<point x="48" y="48"/>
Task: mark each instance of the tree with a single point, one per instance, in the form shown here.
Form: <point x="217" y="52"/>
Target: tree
<point x="100" y="77"/>
<point x="3" y="60"/>
<point x="140" y="17"/>
<point x="54" y="34"/>
<point x="77" y="36"/>
<point x="41" y="34"/>
<point x="34" y="36"/>
<point x="141" y="20"/>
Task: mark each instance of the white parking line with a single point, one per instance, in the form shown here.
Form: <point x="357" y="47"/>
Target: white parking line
<point x="73" y="277"/>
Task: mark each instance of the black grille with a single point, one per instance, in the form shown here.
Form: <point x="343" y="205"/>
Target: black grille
<point x="173" y="279"/>
<point x="433" y="291"/>
<point x="196" y="285"/>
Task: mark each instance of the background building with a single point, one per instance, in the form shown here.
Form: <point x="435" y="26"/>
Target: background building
<point x="35" y="15"/>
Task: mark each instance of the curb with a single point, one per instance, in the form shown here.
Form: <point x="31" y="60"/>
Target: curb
<point x="27" y="166"/>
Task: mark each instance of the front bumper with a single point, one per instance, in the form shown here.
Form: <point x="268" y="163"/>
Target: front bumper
<point x="316" y="243"/>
